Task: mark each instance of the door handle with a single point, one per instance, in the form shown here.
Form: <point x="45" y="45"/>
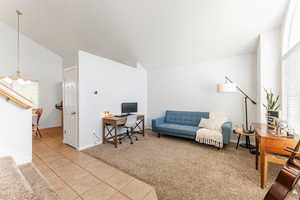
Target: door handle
<point x="73" y="113"/>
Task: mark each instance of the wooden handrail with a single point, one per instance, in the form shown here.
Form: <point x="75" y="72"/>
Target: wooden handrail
<point x="14" y="91"/>
<point x="15" y="96"/>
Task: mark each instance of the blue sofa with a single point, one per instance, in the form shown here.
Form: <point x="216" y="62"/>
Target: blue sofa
<point x="185" y="124"/>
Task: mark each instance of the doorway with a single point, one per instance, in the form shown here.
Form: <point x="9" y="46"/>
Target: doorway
<point x="70" y="104"/>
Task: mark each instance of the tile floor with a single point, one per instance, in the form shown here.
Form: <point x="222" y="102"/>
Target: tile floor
<point x="75" y="175"/>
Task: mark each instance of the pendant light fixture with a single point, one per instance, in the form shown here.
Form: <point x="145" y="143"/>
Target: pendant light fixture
<point x="17" y="77"/>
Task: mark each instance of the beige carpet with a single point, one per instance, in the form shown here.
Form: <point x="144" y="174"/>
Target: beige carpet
<point x="184" y="170"/>
<point x="13" y="185"/>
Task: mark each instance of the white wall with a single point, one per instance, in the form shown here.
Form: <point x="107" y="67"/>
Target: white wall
<point x="268" y="68"/>
<point x="37" y="63"/>
<point x="116" y="83"/>
<point x="259" y="94"/>
<point x="15" y="133"/>
<point x="194" y="88"/>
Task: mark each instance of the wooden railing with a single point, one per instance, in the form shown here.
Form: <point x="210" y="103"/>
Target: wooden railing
<point x="14" y="96"/>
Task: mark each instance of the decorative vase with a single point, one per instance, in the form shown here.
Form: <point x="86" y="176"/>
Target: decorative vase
<point x="271" y="118"/>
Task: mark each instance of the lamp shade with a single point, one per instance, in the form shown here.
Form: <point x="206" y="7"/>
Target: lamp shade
<point x="227" y="87"/>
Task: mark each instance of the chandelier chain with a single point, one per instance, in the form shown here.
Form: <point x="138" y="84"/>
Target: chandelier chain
<point x="18" y="44"/>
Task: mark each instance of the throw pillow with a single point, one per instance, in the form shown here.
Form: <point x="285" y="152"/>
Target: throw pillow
<point x="203" y="123"/>
<point x="214" y="122"/>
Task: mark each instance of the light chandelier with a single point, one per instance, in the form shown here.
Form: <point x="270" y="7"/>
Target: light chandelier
<point x="17" y="77"/>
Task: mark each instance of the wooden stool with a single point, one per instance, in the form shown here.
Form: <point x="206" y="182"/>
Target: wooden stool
<point x="247" y="135"/>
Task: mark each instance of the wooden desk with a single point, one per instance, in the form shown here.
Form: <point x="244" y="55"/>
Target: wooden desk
<point x="110" y="128"/>
<point x="267" y="142"/>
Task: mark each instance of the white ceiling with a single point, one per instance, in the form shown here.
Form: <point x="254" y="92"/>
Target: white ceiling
<point x="152" y="32"/>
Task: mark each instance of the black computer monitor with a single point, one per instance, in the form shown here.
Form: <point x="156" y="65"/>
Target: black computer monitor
<point x="129" y="108"/>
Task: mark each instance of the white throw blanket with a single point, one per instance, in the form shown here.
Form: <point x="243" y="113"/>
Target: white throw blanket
<point x="211" y="137"/>
<point x="210" y="131"/>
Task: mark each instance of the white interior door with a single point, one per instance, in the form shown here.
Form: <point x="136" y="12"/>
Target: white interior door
<point x="70" y="95"/>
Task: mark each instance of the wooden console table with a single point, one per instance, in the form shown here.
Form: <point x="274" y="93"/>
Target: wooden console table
<point x="267" y="142"/>
<point x="110" y="127"/>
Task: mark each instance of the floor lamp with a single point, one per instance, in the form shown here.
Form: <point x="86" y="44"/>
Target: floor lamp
<point x="231" y="87"/>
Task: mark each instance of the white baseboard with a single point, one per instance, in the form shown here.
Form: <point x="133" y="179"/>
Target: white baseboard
<point x="87" y="146"/>
<point x="50" y="126"/>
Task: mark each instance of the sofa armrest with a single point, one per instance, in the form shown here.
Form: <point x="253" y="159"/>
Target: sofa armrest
<point x="156" y="122"/>
<point x="226" y="131"/>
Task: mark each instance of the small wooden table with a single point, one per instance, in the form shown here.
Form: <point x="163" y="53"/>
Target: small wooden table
<point x="267" y="142"/>
<point x="243" y="133"/>
<point x="110" y="128"/>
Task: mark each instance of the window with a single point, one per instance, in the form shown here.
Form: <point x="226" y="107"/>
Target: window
<point x="28" y="90"/>
<point x="31" y="91"/>
<point x="291" y="89"/>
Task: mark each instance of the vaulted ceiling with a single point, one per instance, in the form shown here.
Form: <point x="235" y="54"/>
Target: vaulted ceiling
<point x="152" y="32"/>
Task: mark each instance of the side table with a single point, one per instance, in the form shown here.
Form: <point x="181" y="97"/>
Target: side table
<point x="247" y="135"/>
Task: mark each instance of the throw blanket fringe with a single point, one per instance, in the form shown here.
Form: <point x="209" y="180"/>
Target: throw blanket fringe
<point x="211" y="137"/>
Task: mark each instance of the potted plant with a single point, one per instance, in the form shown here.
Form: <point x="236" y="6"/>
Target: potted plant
<point x="272" y="107"/>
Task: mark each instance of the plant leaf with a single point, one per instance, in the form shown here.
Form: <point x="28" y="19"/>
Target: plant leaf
<point x="277" y="108"/>
<point x="272" y="100"/>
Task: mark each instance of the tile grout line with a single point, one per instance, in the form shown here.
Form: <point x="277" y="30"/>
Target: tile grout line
<point x="112" y="176"/>
<point x="61" y="153"/>
<point x="103" y="180"/>
<point x="80" y="195"/>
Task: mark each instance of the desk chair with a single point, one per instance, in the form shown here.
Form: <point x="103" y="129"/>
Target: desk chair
<point x="130" y="125"/>
<point x="36" y="121"/>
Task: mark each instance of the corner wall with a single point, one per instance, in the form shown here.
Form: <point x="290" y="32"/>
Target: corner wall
<point x="15" y="133"/>
<point x="115" y="83"/>
<point x="268" y="68"/>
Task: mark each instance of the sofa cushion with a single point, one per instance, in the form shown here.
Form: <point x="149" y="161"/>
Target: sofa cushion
<point x="178" y="128"/>
<point x="185" y="118"/>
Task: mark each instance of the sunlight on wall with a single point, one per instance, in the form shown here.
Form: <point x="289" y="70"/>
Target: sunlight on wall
<point x="291" y="27"/>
